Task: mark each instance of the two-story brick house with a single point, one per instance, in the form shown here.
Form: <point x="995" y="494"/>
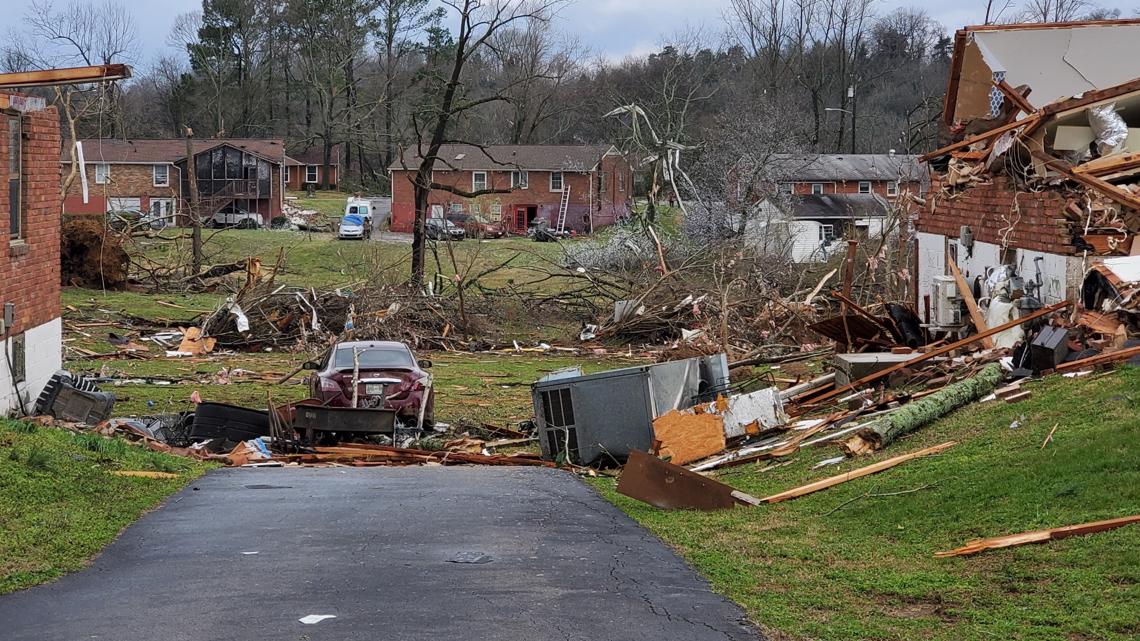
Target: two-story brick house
<point x="150" y="175"/>
<point x="886" y="175"/>
<point x="533" y="179"/>
<point x="29" y="258"/>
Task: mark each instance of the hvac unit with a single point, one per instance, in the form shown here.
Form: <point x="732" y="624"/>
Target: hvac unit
<point x="945" y="306"/>
<point x="597" y="417"/>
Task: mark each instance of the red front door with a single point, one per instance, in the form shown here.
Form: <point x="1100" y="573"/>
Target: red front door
<point x="520" y="219"/>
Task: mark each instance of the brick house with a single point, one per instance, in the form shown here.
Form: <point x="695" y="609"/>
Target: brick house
<point x="887" y="175"/>
<point x="824" y="198"/>
<point x="150" y="175"/>
<point x="29" y="260"/>
<point x="307" y="168"/>
<point x="533" y="179"/>
<point x="997" y="222"/>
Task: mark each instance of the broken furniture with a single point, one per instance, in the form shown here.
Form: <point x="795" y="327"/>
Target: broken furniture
<point x="590" y="417"/>
<point x="74" y="399"/>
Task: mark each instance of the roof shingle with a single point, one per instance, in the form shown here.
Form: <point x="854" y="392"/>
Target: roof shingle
<point x="508" y="157"/>
<point x="118" y="150"/>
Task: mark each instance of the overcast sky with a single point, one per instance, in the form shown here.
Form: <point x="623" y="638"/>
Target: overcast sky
<point x="612" y="28"/>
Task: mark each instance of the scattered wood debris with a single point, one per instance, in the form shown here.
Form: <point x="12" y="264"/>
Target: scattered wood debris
<point x="1038" y="536"/>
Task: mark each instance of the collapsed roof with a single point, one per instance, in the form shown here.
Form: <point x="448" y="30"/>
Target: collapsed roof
<point x="1055" y="60"/>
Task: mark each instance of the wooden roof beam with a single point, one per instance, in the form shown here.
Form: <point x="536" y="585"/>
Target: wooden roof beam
<point x="68" y="76"/>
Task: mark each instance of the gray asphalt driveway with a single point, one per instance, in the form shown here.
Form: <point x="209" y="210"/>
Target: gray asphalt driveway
<point x="376" y="548"/>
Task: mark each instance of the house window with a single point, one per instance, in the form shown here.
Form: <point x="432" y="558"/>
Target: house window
<point x="457" y="208"/>
<point x="310" y="173"/>
<point x="102" y="173"/>
<point x="789" y="188"/>
<point x="555" y="181"/>
<point x="621" y="180"/>
<point x="826" y="233"/>
<point x="520" y="180"/>
<point x="893" y="188"/>
<point x="817" y="189"/>
<point x="496" y="212"/>
<point x="478" y="180"/>
<point x="601" y="183"/>
<point x="161" y="176"/>
<point x="476" y="209"/>
<point x="864" y="186"/>
<point x="15" y="176"/>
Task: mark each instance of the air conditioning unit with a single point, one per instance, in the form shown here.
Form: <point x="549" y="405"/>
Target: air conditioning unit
<point x="945" y="304"/>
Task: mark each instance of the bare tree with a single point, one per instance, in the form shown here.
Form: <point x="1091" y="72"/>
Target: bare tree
<point x="537" y="68"/>
<point x="1055" y="10"/>
<point x="478" y="25"/>
<point x="78" y="34"/>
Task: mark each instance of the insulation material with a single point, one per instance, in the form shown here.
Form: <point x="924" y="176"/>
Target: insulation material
<point x="1077" y="138"/>
<point x="689" y="437"/>
<point x="1109" y="128"/>
<point x="1000" y="312"/>
<point x="752" y="413"/>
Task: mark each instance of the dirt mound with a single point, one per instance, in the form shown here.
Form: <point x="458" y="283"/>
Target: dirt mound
<point x="91" y="256"/>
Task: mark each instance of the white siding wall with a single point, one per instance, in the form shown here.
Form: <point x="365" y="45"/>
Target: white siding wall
<point x="931" y="263"/>
<point x="43" y="348"/>
<point x="1060" y="275"/>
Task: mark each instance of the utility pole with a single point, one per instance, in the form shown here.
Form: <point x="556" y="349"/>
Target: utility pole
<point x="195" y="219"/>
<point x="851" y="97"/>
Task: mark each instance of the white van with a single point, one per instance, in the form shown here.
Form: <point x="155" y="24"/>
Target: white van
<point x="359" y="207"/>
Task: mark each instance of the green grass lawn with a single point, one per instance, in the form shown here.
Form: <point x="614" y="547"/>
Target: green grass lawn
<point x="329" y="203"/>
<point x="59" y="505"/>
<point x="812" y="568"/>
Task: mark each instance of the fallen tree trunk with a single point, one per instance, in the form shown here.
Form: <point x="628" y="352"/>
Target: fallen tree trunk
<point x="880" y="432"/>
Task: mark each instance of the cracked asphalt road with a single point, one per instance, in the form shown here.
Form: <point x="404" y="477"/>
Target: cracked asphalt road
<point x="375" y="548"/>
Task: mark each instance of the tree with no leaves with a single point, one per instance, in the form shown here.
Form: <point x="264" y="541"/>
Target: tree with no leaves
<point x="479" y="22"/>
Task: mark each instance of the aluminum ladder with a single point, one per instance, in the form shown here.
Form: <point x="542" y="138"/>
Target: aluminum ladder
<point x="563" y="205"/>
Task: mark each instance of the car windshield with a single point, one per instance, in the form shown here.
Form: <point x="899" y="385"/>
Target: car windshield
<point x="353" y="219"/>
<point x="375" y="358"/>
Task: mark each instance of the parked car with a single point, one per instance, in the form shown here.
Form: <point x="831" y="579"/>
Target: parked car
<point x="389" y="377"/>
<point x="124" y="219"/>
<point x="476" y="226"/>
<point x="442" y="229"/>
<point x="353" y="226"/>
<point x="234" y="216"/>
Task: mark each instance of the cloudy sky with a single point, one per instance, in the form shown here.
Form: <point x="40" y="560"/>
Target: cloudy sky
<point x="611" y="28"/>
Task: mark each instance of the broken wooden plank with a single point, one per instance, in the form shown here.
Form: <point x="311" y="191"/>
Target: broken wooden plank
<point x="1099" y="359"/>
<point x="874" y="468"/>
<point x="945" y="349"/>
<point x="66" y="76"/>
<point x="967" y="294"/>
<point x="1015" y="96"/>
<point x="1020" y="396"/>
<point x="1103" y="186"/>
<point x="1038" y="536"/>
<point x="686" y="437"/>
<point x="985" y="136"/>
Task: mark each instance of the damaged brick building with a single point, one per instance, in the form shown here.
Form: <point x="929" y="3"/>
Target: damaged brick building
<point x="1038" y="182"/>
<point x="30" y="259"/>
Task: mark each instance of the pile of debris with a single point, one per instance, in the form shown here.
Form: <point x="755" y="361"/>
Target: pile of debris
<point x="91" y="255"/>
<point x="305" y="219"/>
<point x="1083" y="148"/>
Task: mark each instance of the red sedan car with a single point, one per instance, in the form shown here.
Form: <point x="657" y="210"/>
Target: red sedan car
<point x="388" y="376"/>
